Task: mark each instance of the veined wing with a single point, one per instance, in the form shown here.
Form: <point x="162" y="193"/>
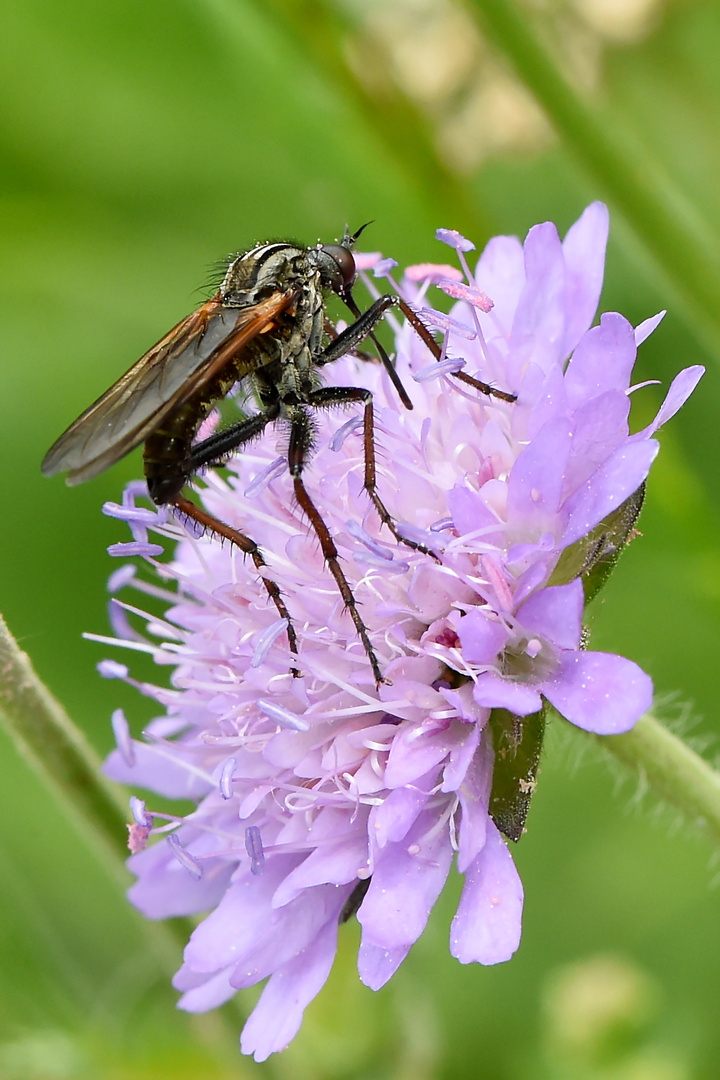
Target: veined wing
<point x="191" y="354"/>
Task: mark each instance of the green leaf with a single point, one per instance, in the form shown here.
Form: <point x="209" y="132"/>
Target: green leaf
<point x="594" y="556"/>
<point x="518" y="744"/>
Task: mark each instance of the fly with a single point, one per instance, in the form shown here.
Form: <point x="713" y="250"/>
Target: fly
<point x="267" y="324"/>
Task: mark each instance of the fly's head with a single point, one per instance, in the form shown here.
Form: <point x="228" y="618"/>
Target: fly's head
<point x="336" y="264"/>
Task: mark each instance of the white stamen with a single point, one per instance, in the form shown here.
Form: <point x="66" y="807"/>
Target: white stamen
<point x="226" y="778"/>
<point x="123" y="740"/>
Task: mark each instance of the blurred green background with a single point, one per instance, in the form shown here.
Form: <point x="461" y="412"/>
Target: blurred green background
<point x="139" y="143"/>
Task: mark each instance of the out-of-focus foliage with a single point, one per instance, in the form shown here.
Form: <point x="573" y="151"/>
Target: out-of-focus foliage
<point x="139" y="143"/>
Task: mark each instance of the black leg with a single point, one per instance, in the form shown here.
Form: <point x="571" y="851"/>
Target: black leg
<point x="360" y="354"/>
<point x="381" y="304"/>
<point x="301" y="437"/>
<point x="214" y="450"/>
<point x="329" y="396"/>
<point x="363" y="328"/>
<point x="358" y="331"/>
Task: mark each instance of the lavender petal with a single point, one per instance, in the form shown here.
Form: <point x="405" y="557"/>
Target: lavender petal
<point x="486" y="926"/>
<point x="600" y="692"/>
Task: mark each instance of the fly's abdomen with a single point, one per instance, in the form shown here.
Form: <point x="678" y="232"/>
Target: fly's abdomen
<point x="168" y="451"/>
<point x="166" y="457"/>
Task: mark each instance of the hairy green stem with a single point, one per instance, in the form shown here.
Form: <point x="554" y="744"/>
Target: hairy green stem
<point x="674" y="772"/>
<point x="657" y="212"/>
<point x="59" y="753"/>
<point x="67" y="765"/>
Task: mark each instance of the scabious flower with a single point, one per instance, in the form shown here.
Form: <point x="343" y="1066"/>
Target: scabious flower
<point x="320" y="795"/>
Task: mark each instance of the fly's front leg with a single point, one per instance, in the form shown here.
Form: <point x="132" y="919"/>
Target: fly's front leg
<point x="329" y="396"/>
<point x="212" y="451"/>
<point x="363" y="327"/>
<point x="357" y="332"/>
<point x="359" y="354"/>
<point x="422" y="331"/>
<point x="300" y="445"/>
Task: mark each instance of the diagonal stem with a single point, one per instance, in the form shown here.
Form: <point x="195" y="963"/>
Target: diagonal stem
<point x="681" y="246"/>
<point x="59" y="754"/>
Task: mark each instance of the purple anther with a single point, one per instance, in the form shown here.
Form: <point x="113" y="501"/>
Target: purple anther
<point x="281" y="715"/>
<point x="134" y="547"/>
<point x="111" y="669"/>
<point x="254" y="848"/>
<point x="265" y="641"/>
<point x="140" y="814"/>
<point x="338" y="439"/>
<point x="356" y="530"/>
<point x="192" y="527"/>
<point x="440" y="321"/>
<point x="383" y="267"/>
<point x="454" y="239"/>
<point x="261" y="481"/>
<point x="121" y="577"/>
<point x="185" y="859"/>
<point x="139" y="515"/>
<point x="367" y="558"/>
<point x="440" y="367"/>
<point x="136" y="489"/>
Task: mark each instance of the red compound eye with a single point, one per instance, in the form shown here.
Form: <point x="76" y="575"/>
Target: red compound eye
<point x="345" y="263"/>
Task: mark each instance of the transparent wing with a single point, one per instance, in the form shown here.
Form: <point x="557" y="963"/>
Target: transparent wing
<point x="191" y="354"/>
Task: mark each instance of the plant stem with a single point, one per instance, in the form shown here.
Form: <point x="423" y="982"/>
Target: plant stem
<point x="671" y="769"/>
<point x="682" y="247"/>
<point x="60" y="755"/>
<point x="321" y="31"/>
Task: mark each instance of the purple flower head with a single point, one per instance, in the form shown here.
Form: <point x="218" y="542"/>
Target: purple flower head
<point x="321" y="796"/>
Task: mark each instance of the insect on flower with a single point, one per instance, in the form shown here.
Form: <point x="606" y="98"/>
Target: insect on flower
<point x="266" y="323"/>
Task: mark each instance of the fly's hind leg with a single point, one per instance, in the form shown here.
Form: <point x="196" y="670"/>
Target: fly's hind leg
<point x="301" y="439"/>
<point x="248" y="547"/>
